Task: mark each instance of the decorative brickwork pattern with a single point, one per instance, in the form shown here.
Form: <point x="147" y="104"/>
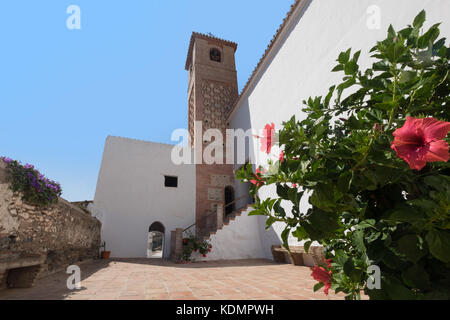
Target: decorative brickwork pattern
<point x="221" y="180"/>
<point x="218" y="99"/>
<point x="191" y="117"/>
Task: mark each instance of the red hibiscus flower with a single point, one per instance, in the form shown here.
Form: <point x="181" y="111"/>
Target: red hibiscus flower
<point x="258" y="181"/>
<point x="294" y="185"/>
<point x="184" y="241"/>
<point x="281" y="157"/>
<point x="321" y="275"/>
<point x="204" y="255"/>
<point x="420" y="141"/>
<point x="267" y="138"/>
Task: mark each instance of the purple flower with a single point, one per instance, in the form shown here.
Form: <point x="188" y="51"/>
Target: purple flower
<point x="28" y="166"/>
<point x="7" y="160"/>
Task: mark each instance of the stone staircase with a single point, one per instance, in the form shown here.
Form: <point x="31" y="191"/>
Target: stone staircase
<point x="237" y="238"/>
<point x="229" y="218"/>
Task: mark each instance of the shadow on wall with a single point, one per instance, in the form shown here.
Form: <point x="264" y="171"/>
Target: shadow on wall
<point x="242" y="119"/>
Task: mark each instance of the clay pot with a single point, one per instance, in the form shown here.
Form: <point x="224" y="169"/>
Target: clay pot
<point x="106" y="254"/>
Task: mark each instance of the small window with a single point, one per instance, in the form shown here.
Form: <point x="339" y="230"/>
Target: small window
<point x="171" y="181"/>
<point x="215" y="55"/>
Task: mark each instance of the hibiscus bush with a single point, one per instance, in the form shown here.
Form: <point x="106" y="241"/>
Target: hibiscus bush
<point x="35" y="188"/>
<point x="373" y="164"/>
<point x="193" y="244"/>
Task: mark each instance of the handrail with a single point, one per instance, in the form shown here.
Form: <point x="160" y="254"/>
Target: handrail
<point x="236" y="200"/>
<point x="201" y="219"/>
<point x="215" y="211"/>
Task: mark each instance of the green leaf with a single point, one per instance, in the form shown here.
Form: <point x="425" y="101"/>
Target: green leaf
<point x="395" y="289"/>
<point x="419" y="20"/>
<point x="300" y="233"/>
<point x="270" y="221"/>
<point x="282" y="191"/>
<point x="358" y="239"/>
<point x="278" y="209"/>
<point x="344" y="57"/>
<point x="339" y="67"/>
<point x="408" y="245"/>
<point x="406" y="215"/>
<point x="307" y="245"/>
<point x="439" y="244"/>
<point x="369" y="223"/>
<point x="416" y="277"/>
<point x="345" y="181"/>
<point x="323" y="197"/>
<point x="381" y="66"/>
<point x="406" y="76"/>
<point x="429" y="37"/>
<point x="391" y="32"/>
<point x="318" y="286"/>
<point x="285" y="237"/>
<point x="351" y="67"/>
<point x="388" y="105"/>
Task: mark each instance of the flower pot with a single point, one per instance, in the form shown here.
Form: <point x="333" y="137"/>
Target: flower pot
<point x="106" y="254"/>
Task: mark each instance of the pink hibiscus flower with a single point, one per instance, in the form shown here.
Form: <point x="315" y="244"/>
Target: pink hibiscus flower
<point x="420" y="141"/>
<point x="322" y="275"/>
<point x="258" y="181"/>
<point x="281" y="157"/>
<point x="267" y="138"/>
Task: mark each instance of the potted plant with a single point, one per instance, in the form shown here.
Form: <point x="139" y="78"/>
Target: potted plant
<point x="105" y="254"/>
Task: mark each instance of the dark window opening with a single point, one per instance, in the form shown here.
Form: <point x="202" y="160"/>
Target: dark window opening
<point x="215" y="55"/>
<point x="229" y="200"/>
<point x="157" y="226"/>
<point x="171" y="182"/>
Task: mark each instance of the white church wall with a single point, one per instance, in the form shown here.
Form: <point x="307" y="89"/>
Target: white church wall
<point x="300" y="62"/>
<point x="131" y="195"/>
<point x="240" y="239"/>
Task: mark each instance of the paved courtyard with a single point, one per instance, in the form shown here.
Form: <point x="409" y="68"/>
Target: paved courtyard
<point x="157" y="279"/>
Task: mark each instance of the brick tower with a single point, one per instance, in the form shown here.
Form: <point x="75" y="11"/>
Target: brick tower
<point x="212" y="92"/>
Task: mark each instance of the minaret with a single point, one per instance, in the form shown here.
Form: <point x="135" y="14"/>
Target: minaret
<point x="212" y="92"/>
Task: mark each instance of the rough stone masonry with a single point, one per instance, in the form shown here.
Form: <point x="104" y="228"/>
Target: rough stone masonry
<point x="36" y="242"/>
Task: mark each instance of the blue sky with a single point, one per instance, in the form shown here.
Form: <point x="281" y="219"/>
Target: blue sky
<point x="62" y="92"/>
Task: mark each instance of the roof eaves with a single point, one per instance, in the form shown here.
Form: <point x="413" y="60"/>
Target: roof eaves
<point x="279" y="31"/>
<point x="206" y="37"/>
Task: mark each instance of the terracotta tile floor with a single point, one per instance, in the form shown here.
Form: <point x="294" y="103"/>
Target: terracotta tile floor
<point x="138" y="279"/>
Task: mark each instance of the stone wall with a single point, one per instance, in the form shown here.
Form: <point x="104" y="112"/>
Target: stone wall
<point x="55" y="237"/>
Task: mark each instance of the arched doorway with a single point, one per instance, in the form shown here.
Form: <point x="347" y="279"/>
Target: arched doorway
<point x="229" y="198"/>
<point x="155" y="248"/>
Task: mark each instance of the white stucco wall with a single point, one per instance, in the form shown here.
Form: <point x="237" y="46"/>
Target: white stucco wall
<point x="240" y="239"/>
<point x="131" y="195"/>
<point x="300" y="62"/>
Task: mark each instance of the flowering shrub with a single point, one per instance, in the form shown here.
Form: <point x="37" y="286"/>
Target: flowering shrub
<point x="193" y="244"/>
<point x="374" y="167"/>
<point x="323" y="275"/>
<point x="36" y="189"/>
